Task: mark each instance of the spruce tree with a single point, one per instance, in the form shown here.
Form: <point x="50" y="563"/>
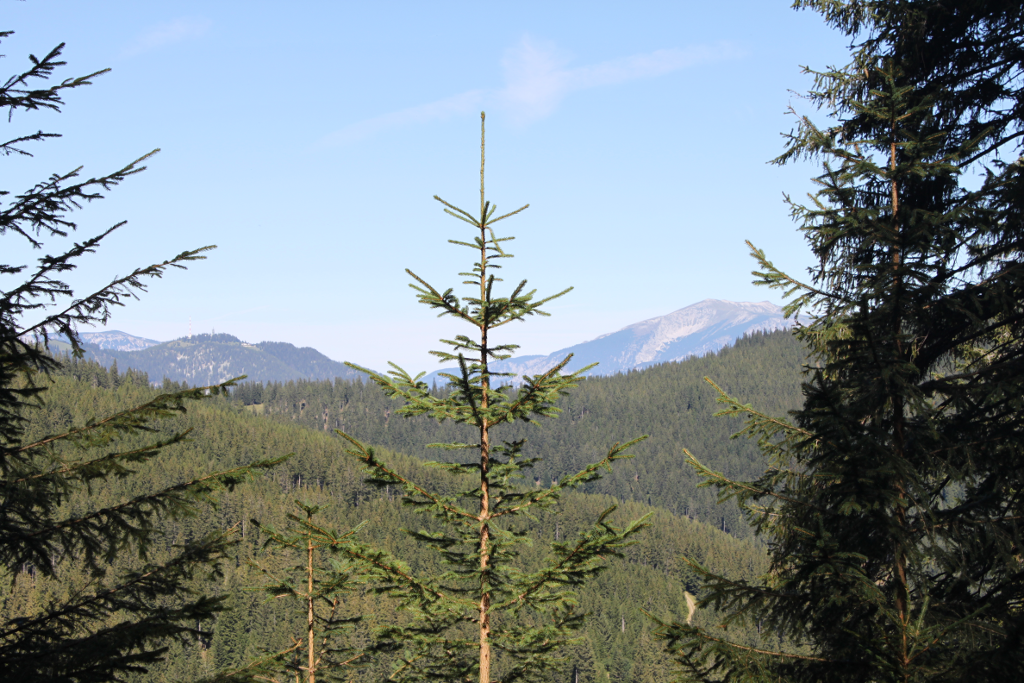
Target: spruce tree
<point x="121" y="620"/>
<point x="324" y="649"/>
<point x="487" y="618"/>
<point x="893" y="500"/>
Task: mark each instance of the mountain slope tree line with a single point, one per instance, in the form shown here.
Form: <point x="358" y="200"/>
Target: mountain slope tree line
<point x="651" y="576"/>
<point x="671" y="403"/>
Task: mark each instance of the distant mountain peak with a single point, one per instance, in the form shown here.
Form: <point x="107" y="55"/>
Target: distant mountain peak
<point x="657" y="335"/>
<point x="116" y="340"/>
<point x="216" y="337"/>
<point x="695" y="330"/>
<point x="210" y="358"/>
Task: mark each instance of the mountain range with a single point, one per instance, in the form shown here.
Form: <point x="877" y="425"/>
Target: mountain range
<point x="695" y="330"/>
<point x="115" y="340"/>
<point x="213" y="358"/>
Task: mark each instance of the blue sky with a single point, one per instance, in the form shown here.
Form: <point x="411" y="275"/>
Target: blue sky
<point x="307" y="140"/>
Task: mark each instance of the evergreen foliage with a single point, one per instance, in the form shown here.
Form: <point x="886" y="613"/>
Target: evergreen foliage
<point x="114" y="616"/>
<point x="323" y="650"/>
<point x="670" y="402"/>
<point x="893" y="501"/>
<point x="487" y="617"/>
<point x="224" y="435"/>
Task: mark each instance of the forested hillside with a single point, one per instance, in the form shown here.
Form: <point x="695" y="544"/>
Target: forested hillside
<point x="617" y="643"/>
<point x="670" y="402"/>
<point x="302" y="527"/>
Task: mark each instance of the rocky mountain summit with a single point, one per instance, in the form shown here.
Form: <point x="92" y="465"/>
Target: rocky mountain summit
<point x="692" y="331"/>
<point x="696" y="330"/>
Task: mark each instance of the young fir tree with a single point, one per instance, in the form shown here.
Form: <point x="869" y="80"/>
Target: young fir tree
<point x="486" y="618"/>
<point x="324" y="650"/>
<point x="893" y="502"/>
<point x="121" y="620"/>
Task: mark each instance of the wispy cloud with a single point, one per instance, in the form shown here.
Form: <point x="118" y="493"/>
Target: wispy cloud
<point x="537" y="79"/>
<point x="166" y="34"/>
<point x="466" y="103"/>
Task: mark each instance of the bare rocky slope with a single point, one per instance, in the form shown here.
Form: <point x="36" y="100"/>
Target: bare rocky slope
<point x="696" y="330"/>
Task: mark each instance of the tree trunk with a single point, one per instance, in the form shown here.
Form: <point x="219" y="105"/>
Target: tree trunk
<point x="485" y="447"/>
<point x="309" y="602"/>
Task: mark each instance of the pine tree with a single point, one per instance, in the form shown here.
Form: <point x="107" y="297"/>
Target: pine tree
<point x="121" y="620"/>
<point x="893" y="501"/>
<point x="486" y="618"/>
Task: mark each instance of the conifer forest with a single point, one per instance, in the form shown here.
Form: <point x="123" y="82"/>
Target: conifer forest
<point x="842" y="500"/>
